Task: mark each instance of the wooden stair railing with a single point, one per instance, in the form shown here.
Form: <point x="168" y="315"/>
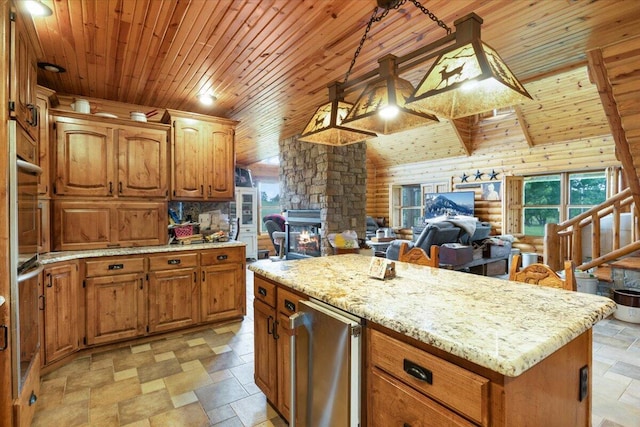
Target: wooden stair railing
<point x="564" y="241"/>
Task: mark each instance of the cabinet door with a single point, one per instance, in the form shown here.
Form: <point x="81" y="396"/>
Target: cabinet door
<point x="43" y="144"/>
<point x="188" y="164"/>
<point x="82" y="225"/>
<point x="220" y="162"/>
<point x="60" y="292"/>
<point x="173" y="299"/>
<point x="44" y="219"/>
<point x="142" y="163"/>
<point x="84" y="160"/>
<point x="24" y="73"/>
<point x="116" y="308"/>
<point x="140" y="224"/>
<point x="265" y="367"/>
<point x="223" y="292"/>
<point x="287" y="305"/>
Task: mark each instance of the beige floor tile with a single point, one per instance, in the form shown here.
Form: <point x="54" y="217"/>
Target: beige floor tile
<point x="190" y="415"/>
<point x="115" y="392"/>
<point x="186" y="354"/>
<point x="184" y="399"/>
<point x="144" y="406"/>
<point x="104" y="415"/>
<point x="141" y="348"/>
<point x="127" y="373"/>
<point x="222" y="349"/>
<point x="73" y="415"/>
<point x="196" y="341"/>
<point x="153" y="386"/>
<point x="131" y="360"/>
<point x="164" y="356"/>
<point x="253" y="410"/>
<point x="85" y="379"/>
<point x="100" y="364"/>
<point x="187" y="381"/>
<point x="80" y="395"/>
<point x="190" y="366"/>
<point x="166" y="345"/>
<point x="153" y="371"/>
<point x="72" y="368"/>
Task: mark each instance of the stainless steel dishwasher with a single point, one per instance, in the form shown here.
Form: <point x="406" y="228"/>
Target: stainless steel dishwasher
<point x="325" y="366"/>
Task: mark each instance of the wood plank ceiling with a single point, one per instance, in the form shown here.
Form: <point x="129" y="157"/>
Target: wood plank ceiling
<point x="269" y="61"/>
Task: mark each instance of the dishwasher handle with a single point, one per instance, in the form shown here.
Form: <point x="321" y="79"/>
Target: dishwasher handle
<point x="295" y="321"/>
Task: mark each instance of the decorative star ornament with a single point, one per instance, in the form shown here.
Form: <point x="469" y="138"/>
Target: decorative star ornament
<point x="493" y="175"/>
<point x="478" y="175"/>
<point x="464" y="177"/>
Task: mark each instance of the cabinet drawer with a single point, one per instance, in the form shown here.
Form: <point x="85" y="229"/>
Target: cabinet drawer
<point x="222" y="256"/>
<point x="108" y="266"/>
<point x="264" y="291"/>
<point x="393" y="403"/>
<point x="455" y="387"/>
<point x="172" y="261"/>
<point x="287" y="302"/>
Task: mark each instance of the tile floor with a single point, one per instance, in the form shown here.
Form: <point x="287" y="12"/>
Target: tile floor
<point x="205" y="378"/>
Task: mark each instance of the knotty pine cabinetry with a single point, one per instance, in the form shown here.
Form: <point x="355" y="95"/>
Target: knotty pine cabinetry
<point x="110" y="184"/>
<point x="116" y="299"/>
<point x="223" y="290"/>
<point x="203" y="156"/>
<point x="59" y="311"/>
<point x="272" y="307"/>
<point x="173" y="291"/>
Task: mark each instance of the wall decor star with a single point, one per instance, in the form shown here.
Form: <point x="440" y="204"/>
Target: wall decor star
<point x="478" y="175"/>
<point x="464" y="177"/>
<point x="493" y="175"/>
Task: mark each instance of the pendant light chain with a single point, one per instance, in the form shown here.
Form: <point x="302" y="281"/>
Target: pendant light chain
<point x="376" y="18"/>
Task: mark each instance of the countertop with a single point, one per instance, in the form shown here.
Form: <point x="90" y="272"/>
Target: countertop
<point x="505" y="326"/>
<point x="53" y="257"/>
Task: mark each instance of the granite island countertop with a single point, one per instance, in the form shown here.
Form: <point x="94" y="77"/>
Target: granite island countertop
<point x="53" y="257"/>
<point x="505" y="326"/>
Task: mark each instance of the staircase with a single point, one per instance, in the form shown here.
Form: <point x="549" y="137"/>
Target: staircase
<point x="614" y="69"/>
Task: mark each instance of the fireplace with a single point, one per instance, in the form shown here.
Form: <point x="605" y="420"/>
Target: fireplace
<point x="303" y="228"/>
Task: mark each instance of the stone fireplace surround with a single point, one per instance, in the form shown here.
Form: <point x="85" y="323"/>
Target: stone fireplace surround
<point x="332" y="179"/>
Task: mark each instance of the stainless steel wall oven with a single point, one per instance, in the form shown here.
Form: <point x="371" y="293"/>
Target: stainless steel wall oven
<point x="25" y="268"/>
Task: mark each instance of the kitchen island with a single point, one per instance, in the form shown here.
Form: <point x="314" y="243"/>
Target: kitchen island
<point x="523" y="352"/>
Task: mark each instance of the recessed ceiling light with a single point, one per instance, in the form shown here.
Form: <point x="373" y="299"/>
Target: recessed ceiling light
<point x="37" y="8"/>
<point x="206" y="99"/>
<point x="47" y="66"/>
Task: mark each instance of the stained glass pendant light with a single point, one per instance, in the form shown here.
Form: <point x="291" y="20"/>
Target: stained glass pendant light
<point x="469" y="78"/>
<point x="325" y="126"/>
<point x="382" y="107"/>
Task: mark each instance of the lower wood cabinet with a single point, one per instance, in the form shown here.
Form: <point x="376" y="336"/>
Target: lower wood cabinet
<point x="116" y="299"/>
<point x="173" y="291"/>
<point x="272" y="307"/>
<point x="60" y="336"/>
<point x="223" y="288"/>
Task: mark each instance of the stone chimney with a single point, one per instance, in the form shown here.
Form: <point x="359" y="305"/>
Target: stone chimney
<point x="332" y="179"/>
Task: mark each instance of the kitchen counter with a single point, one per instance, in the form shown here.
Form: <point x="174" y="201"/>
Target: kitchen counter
<point x="505" y="326"/>
<point x="53" y="257"/>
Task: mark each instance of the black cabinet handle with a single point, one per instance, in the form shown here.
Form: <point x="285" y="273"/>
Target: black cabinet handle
<point x="49" y="281"/>
<point x="269" y="319"/>
<point x="173" y="262"/>
<point x="141" y="284"/>
<point x="5" y="343"/>
<point x="202" y="190"/>
<point x="110" y="187"/>
<point x="275" y="330"/>
<point x="33" y="121"/>
<point x="289" y="305"/>
<point x="116" y="266"/>
<point x="262" y="291"/>
<point x="41" y="307"/>
<point x="194" y="277"/>
<point x="418" y="372"/>
<point x="210" y="191"/>
<point x="120" y="186"/>
<point x="222" y="257"/>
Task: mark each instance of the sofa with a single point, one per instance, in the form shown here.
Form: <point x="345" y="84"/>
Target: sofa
<point x="432" y="234"/>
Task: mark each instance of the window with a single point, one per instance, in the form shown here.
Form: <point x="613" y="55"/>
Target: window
<point x="556" y="198"/>
<point x="268" y="200"/>
<point x="407" y="202"/>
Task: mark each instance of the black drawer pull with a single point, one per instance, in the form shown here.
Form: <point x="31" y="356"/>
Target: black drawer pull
<point x="5" y="342"/>
<point x="262" y="291"/>
<point x="222" y="257"/>
<point x="289" y="305"/>
<point x="116" y="266"/>
<point x="418" y="371"/>
<point x="173" y="262"/>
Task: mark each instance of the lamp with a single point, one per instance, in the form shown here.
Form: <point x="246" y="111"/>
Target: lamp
<point x="325" y="126"/>
<point x="382" y="105"/>
<point x="468" y="78"/>
<point x="37" y="8"/>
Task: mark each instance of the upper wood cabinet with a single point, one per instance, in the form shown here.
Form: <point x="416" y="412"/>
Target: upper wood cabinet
<point x="203" y="156"/>
<point x="24" y="52"/>
<point x="44" y="143"/>
<point x="109" y="159"/>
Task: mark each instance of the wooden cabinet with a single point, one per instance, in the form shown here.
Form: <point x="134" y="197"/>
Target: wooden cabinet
<point x="60" y="311"/>
<point x="265" y="335"/>
<point x="79" y="225"/>
<point x="203" y="157"/>
<point x="100" y="159"/>
<point x="116" y="300"/>
<point x="23" y="72"/>
<point x="173" y="291"/>
<point x="44" y="142"/>
<point x="272" y="307"/>
<point x="223" y="290"/>
<point x="44" y="219"/>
